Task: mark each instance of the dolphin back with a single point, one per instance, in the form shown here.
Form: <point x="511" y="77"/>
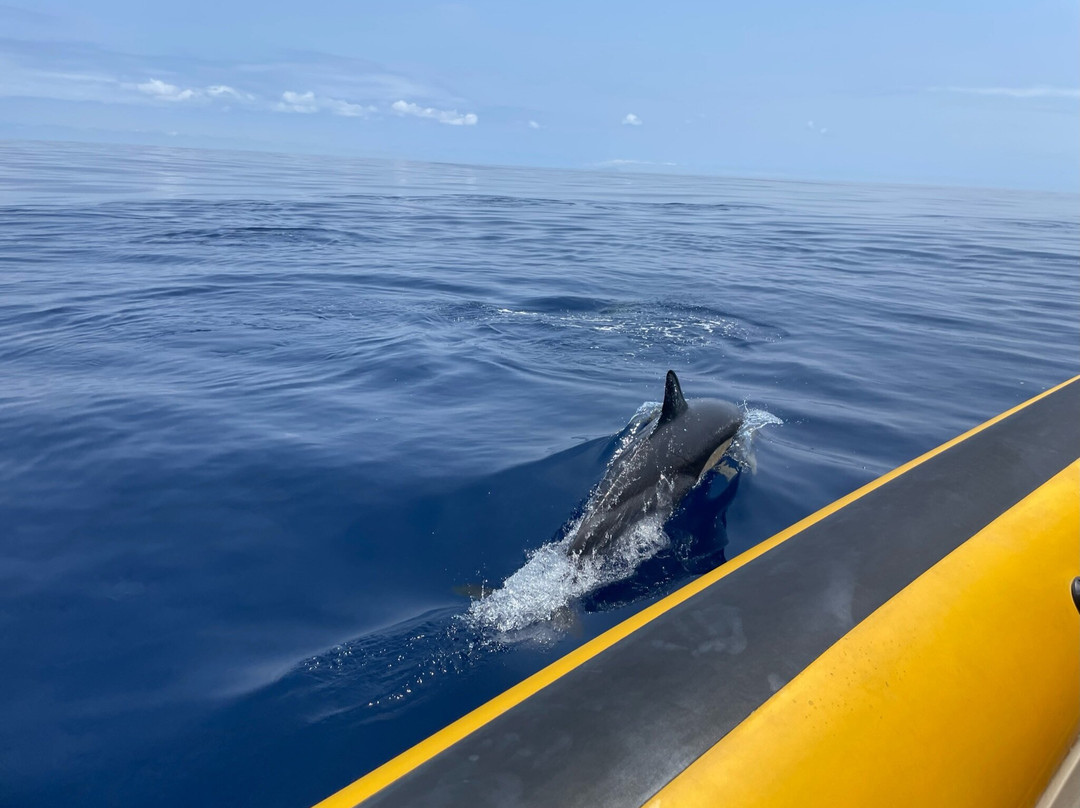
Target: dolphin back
<point x="658" y="469"/>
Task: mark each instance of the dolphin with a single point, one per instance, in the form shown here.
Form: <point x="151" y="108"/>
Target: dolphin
<point x="666" y="458"/>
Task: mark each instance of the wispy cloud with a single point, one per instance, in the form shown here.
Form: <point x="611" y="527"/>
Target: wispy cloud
<point x="1014" y="92"/>
<point x="631" y="120"/>
<point x="813" y="127"/>
<point x="342" y="77"/>
<point x="347" y="109"/>
<point x="72" y="85"/>
<point x="348" y="87"/>
<point x="163" y="91"/>
<point x="156" y="88"/>
<point x="98" y="86"/>
<point x="309" y="103"/>
<point x="225" y="91"/>
<point x="447" y="116"/>
<point x="534" y="125"/>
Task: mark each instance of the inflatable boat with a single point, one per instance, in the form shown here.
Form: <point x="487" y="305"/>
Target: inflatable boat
<point x="915" y="643"/>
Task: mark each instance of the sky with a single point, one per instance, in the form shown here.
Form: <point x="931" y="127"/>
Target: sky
<point x="958" y="93"/>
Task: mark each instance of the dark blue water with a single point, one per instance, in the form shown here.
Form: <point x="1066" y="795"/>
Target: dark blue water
<point x="261" y="415"/>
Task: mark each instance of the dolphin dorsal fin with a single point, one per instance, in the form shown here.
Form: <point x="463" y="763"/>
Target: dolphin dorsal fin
<point x="674" y="403"/>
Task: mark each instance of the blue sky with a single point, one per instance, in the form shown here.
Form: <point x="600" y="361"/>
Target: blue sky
<point x="971" y="93"/>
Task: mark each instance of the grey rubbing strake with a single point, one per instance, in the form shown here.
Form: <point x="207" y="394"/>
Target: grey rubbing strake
<point x="660" y="465"/>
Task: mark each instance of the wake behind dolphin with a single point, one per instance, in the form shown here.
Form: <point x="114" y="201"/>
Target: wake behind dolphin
<point x="664" y="453"/>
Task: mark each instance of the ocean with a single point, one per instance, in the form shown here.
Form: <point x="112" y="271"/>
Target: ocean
<point x="265" y="418"/>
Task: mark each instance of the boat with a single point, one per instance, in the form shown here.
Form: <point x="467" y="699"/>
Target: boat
<point x="914" y="643"/>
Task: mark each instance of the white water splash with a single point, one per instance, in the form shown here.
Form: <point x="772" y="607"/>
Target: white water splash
<point x="742" y="446"/>
<point x="552" y="578"/>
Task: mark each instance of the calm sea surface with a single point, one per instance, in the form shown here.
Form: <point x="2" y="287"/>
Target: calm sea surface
<point x="262" y="416"/>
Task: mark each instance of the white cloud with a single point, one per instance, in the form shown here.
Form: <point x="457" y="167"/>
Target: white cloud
<point x="347" y="109"/>
<point x="631" y="120"/>
<point x="308" y="103"/>
<point x="821" y="130"/>
<point x="297" y="102"/>
<point x="157" y="88"/>
<point x="534" y="125"/>
<point x="1015" y="92"/>
<point x="447" y="116"/>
